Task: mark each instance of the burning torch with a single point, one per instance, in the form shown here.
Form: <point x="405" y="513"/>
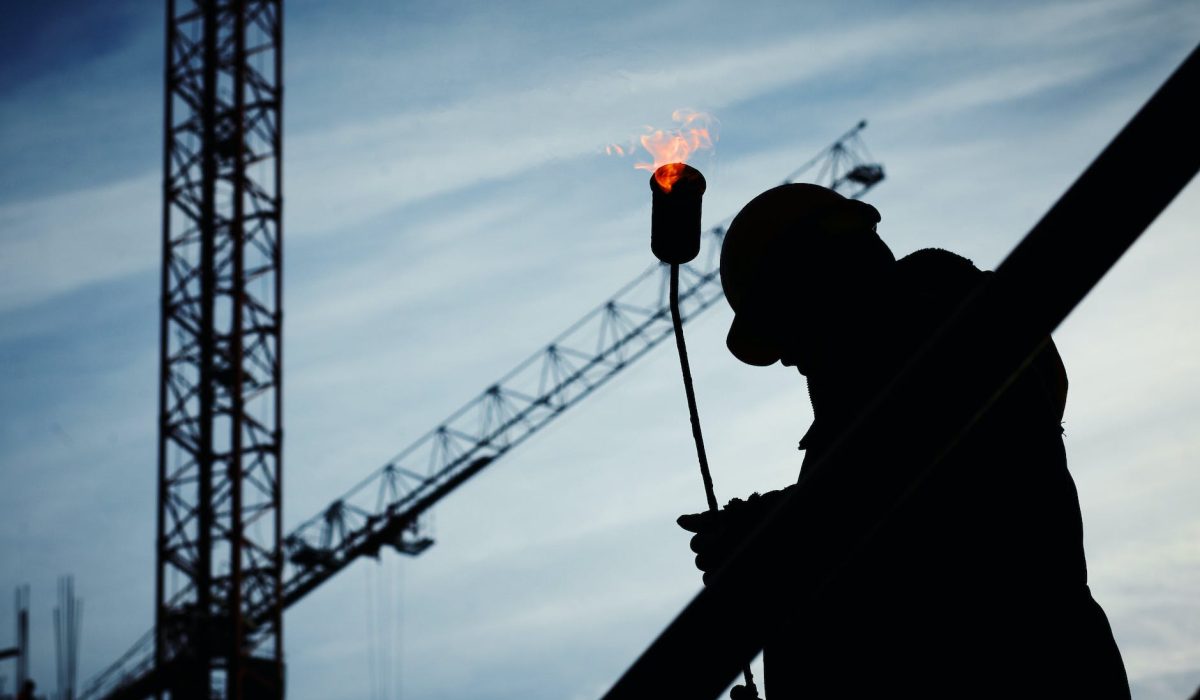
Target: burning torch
<point x="675" y="240"/>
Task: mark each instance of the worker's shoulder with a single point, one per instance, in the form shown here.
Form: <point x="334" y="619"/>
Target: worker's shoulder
<point x="932" y="282"/>
<point x="938" y="272"/>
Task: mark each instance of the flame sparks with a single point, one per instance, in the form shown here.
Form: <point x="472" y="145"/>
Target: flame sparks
<point x="694" y="131"/>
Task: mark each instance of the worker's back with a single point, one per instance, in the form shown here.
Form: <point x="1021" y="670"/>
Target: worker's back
<point x="977" y="587"/>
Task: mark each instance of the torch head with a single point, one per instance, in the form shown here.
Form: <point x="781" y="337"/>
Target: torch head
<point x="675" y="214"/>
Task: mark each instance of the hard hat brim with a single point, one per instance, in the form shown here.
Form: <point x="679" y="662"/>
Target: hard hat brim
<point x="749" y="346"/>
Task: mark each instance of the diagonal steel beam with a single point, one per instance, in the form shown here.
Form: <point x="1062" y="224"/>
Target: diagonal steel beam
<point x="1011" y="315"/>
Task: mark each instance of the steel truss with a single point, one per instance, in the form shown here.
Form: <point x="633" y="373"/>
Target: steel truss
<point x="219" y="522"/>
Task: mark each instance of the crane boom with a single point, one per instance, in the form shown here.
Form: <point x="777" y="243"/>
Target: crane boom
<point x="384" y="509"/>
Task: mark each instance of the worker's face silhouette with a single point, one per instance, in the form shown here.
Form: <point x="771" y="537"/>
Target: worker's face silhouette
<point x="812" y="300"/>
<point x="800" y="266"/>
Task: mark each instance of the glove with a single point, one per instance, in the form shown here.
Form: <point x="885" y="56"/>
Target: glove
<point x="718" y="535"/>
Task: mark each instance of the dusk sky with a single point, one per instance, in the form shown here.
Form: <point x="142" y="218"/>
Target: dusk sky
<point x="449" y="209"/>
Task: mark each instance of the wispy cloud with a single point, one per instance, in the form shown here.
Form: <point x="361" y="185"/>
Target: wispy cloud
<point x="62" y="242"/>
<point x="352" y="171"/>
<point x="437" y="236"/>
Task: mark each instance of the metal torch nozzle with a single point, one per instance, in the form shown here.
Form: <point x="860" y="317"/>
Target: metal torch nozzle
<point x="675" y="213"/>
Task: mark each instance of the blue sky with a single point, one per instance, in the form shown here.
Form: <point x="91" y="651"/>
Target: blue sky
<point x="448" y="210"/>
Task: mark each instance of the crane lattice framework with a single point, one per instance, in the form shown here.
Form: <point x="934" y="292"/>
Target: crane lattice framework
<point x="385" y="508"/>
<point x="218" y="620"/>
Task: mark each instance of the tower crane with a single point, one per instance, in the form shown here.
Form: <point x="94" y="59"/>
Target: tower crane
<point x="385" y="508"/>
<point x="218" y="628"/>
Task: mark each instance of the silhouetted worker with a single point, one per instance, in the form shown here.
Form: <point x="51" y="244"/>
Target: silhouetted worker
<point x="27" y="689"/>
<point x="976" y="586"/>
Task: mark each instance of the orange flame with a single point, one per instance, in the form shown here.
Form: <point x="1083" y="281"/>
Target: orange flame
<point x="695" y="131"/>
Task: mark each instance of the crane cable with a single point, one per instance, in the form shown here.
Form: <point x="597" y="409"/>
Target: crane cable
<point x="385" y="608"/>
<point x="369" y="577"/>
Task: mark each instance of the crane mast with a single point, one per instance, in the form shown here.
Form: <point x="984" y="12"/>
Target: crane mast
<point x="219" y="553"/>
<point x="385" y="508"/>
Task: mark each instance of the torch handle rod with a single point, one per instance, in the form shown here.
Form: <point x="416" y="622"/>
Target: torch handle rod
<point x="677" y="321"/>
<point x="705" y="474"/>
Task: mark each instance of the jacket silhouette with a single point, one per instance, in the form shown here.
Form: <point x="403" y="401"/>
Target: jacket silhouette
<point x="977" y="585"/>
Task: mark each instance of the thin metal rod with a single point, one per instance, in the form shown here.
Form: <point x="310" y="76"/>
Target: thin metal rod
<point x="677" y="322"/>
<point x="697" y="435"/>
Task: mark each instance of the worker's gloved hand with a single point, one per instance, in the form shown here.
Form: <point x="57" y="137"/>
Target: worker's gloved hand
<point x="719" y="534"/>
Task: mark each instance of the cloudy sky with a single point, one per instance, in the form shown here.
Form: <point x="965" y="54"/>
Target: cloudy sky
<point x="449" y="210"/>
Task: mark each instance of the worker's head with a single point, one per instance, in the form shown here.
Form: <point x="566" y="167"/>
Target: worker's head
<point x="801" y="265"/>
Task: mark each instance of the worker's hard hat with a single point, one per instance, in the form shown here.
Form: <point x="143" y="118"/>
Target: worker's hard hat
<point x="801" y="226"/>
